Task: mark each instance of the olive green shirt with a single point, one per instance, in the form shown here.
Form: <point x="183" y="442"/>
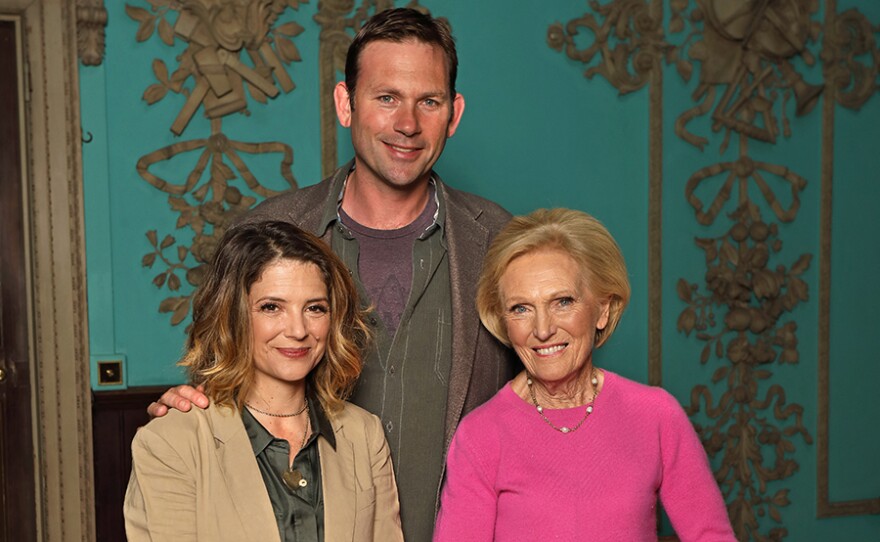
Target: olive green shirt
<point x="299" y="512"/>
<point x="405" y="379"/>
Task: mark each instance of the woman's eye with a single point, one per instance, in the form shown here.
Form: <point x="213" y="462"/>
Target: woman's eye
<point x="517" y="309"/>
<point x="566" y="301"/>
<point x="318" y="309"/>
<point x="269" y="307"/>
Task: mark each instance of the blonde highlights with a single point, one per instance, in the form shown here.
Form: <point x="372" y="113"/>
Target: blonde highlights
<point x="219" y="352"/>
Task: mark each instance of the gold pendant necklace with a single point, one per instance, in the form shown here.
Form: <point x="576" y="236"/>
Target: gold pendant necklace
<point x="292" y="477"/>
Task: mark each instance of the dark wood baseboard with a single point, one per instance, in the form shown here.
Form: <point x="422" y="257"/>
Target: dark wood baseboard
<point x="116" y="416"/>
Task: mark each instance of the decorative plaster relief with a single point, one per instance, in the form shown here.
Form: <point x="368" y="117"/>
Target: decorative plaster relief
<point x="749" y="67"/>
<point x="234" y="49"/>
<point x="217" y="32"/>
<point x="851" y="64"/>
<point x="91" y="19"/>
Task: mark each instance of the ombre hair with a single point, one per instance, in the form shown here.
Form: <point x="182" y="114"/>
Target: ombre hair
<point x="575" y="233"/>
<point x="220" y="353"/>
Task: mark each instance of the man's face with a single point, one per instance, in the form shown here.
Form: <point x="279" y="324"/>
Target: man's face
<point x="402" y="113"/>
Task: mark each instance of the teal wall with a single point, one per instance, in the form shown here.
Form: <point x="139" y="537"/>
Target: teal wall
<point x="535" y="133"/>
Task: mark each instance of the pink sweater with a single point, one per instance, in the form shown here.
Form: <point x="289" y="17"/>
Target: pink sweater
<point x="509" y="476"/>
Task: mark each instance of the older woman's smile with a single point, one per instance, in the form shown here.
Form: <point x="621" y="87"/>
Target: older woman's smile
<point x="550" y="350"/>
<point x="551" y="317"/>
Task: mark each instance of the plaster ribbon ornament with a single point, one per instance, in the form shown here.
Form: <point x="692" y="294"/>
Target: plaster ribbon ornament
<point x="750" y="57"/>
<point x="234" y="49"/>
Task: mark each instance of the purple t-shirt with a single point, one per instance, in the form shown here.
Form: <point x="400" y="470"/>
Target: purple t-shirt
<point x="385" y="262"/>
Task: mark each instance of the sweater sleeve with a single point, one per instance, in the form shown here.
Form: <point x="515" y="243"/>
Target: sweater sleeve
<point x="468" y="502"/>
<point x="688" y="489"/>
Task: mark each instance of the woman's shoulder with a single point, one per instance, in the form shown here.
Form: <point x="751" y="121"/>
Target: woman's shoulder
<point x="636" y="393"/>
<point x="492" y="414"/>
<point x="351" y="411"/>
<point x="176" y="425"/>
<point x="353" y="416"/>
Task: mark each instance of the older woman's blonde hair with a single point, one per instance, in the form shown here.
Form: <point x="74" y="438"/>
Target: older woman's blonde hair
<point x="575" y="233"/>
<point x="219" y="352"/>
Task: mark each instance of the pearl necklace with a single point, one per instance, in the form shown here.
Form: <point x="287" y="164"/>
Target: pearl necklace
<point x="594" y="382"/>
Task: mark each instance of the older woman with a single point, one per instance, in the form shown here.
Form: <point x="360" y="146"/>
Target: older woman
<point x="279" y="454"/>
<point x="566" y="450"/>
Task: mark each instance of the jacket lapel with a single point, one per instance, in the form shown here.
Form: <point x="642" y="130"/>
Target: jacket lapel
<point x="467" y="241"/>
<point x="239" y="469"/>
<point x="338" y="479"/>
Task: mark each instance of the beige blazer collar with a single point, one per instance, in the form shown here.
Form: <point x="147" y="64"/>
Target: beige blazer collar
<point x="240" y="471"/>
<point x="242" y="475"/>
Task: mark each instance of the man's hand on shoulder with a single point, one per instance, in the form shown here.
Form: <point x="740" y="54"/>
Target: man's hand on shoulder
<point x="181" y="398"/>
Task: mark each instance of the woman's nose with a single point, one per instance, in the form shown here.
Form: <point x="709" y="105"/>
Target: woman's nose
<point x="544" y="326"/>
<point x="296" y="327"/>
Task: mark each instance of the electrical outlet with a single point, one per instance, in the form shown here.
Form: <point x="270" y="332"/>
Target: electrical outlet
<point x="110" y="372"/>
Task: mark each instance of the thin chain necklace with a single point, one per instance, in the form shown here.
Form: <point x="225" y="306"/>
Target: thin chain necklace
<point x="292" y="477"/>
<point x="274" y="415"/>
<point x="594" y="382"/>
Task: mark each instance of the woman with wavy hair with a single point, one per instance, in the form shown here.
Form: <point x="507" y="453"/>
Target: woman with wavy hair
<point x="276" y="344"/>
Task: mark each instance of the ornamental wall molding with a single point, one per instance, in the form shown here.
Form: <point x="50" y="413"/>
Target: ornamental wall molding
<point x="58" y="312"/>
<point x="750" y="60"/>
<point x="237" y="53"/>
<point x="91" y="19"/>
<point x="851" y="64"/>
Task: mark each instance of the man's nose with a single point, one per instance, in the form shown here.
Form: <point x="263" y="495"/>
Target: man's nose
<point x="406" y="121"/>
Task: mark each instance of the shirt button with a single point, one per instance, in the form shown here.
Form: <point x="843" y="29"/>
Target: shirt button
<point x="391" y="369"/>
<point x="389" y="427"/>
<point x="372" y="320"/>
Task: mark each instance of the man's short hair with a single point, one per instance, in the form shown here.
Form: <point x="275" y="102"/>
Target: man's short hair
<point x="399" y="25"/>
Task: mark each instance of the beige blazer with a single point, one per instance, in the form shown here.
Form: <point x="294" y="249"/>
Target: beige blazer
<point x="194" y="477"/>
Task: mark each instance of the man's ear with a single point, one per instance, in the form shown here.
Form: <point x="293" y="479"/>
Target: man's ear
<point x="457" y="111"/>
<point x="343" y="104"/>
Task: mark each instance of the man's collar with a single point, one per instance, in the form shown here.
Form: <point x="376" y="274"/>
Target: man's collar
<point x="339" y="181"/>
<point x="331" y="205"/>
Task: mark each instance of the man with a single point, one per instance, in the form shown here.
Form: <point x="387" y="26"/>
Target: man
<point x="414" y="244"/>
